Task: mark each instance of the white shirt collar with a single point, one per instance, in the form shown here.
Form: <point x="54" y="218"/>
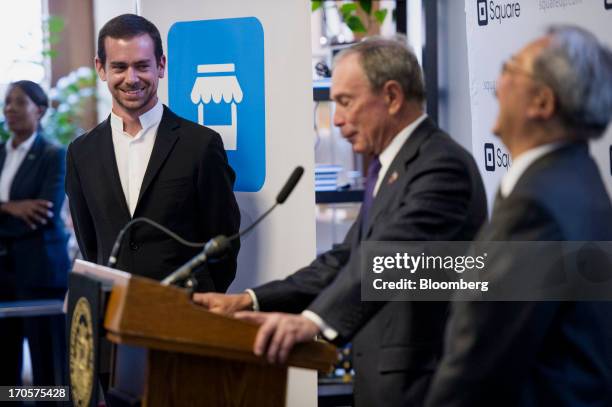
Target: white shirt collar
<point x="521" y="163"/>
<point x="389" y="153"/>
<point x="24" y="147"/>
<point x="147" y="120"/>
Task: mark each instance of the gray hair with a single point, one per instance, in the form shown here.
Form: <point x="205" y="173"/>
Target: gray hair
<point x="579" y="71"/>
<point x="386" y="60"/>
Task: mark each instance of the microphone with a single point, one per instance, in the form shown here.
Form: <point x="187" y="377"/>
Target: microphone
<point x="112" y="259"/>
<point x="221" y="244"/>
<point x="294" y="178"/>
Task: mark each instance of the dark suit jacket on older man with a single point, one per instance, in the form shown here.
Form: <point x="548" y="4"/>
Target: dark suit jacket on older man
<point x="431" y="191"/>
<point x="187" y="188"/>
<point x="535" y="353"/>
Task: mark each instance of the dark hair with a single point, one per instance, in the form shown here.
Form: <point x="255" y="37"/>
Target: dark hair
<point x="34" y="92"/>
<point x="128" y="26"/>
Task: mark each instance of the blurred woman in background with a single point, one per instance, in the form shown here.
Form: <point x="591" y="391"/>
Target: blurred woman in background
<point x="34" y="260"/>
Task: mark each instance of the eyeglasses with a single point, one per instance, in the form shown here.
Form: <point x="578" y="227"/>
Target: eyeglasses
<point x="511" y="66"/>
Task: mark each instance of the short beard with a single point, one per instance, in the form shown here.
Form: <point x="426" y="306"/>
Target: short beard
<point x="140" y="107"/>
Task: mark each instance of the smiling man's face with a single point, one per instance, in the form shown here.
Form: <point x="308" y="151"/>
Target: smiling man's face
<point x="132" y="73"/>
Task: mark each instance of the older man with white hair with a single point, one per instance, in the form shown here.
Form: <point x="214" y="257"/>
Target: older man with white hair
<point x="554" y="96"/>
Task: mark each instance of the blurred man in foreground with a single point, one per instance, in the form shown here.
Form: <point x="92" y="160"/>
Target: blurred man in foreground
<point x="554" y="96"/>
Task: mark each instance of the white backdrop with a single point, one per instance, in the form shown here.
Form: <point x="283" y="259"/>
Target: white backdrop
<point x="496" y="30"/>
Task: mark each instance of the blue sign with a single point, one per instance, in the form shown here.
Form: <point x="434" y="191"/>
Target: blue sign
<point x="216" y="78"/>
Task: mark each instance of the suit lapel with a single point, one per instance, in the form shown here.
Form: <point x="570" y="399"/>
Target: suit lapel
<point x="28" y="163"/>
<point x="396" y="171"/>
<point x="109" y="167"/>
<point x="164" y="141"/>
<point x="497" y="203"/>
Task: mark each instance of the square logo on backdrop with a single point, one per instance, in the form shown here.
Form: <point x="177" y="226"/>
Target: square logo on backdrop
<point x="608" y="4"/>
<point x="216" y="78"/>
<point x="483" y="17"/>
<point x="489" y="153"/>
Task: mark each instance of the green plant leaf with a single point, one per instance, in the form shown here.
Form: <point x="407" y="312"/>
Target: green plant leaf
<point x="51" y="53"/>
<point x="55" y="24"/>
<point x="54" y="39"/>
<point x="4" y="135"/>
<point x="315" y="4"/>
<point x="355" y="24"/>
<point x="366" y="5"/>
<point x="347" y="9"/>
<point x="380" y="15"/>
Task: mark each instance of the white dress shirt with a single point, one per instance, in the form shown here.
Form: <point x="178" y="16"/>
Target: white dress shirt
<point x="521" y="163"/>
<point x="12" y="162"/>
<point x="389" y="153"/>
<point x="132" y="153"/>
<point x="385" y="158"/>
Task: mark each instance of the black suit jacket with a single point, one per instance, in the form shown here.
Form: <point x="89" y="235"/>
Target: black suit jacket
<point x="436" y="194"/>
<point x="35" y="259"/>
<point x="535" y="353"/>
<point x="187" y="188"/>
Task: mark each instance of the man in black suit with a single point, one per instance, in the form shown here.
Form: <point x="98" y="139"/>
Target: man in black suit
<point x="421" y="186"/>
<point x="144" y="161"/>
<point x="554" y="95"/>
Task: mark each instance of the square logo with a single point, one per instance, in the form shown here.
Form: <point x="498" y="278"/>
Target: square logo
<point x="483" y="16"/>
<point x="489" y="155"/>
<point x="216" y="78"/>
<point x="608" y="4"/>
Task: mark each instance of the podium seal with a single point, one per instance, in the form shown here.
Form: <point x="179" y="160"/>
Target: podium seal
<point x="81" y="353"/>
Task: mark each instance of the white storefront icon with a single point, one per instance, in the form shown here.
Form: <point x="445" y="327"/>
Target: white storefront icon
<point x="218" y="82"/>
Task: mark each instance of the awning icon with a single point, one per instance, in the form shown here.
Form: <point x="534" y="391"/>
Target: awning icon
<point x="218" y="82"/>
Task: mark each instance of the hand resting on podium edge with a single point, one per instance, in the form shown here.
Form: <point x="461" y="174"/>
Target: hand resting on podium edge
<point x="278" y="333"/>
<point x="224" y="304"/>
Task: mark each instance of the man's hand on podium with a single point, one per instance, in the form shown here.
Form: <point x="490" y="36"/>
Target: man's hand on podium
<point x="278" y="333"/>
<point x="225" y="304"/>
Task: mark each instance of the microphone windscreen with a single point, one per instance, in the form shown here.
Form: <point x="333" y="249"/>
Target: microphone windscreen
<point x="294" y="178"/>
<point x="217" y="246"/>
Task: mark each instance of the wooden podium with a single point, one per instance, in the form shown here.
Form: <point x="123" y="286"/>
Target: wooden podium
<point x="191" y="357"/>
